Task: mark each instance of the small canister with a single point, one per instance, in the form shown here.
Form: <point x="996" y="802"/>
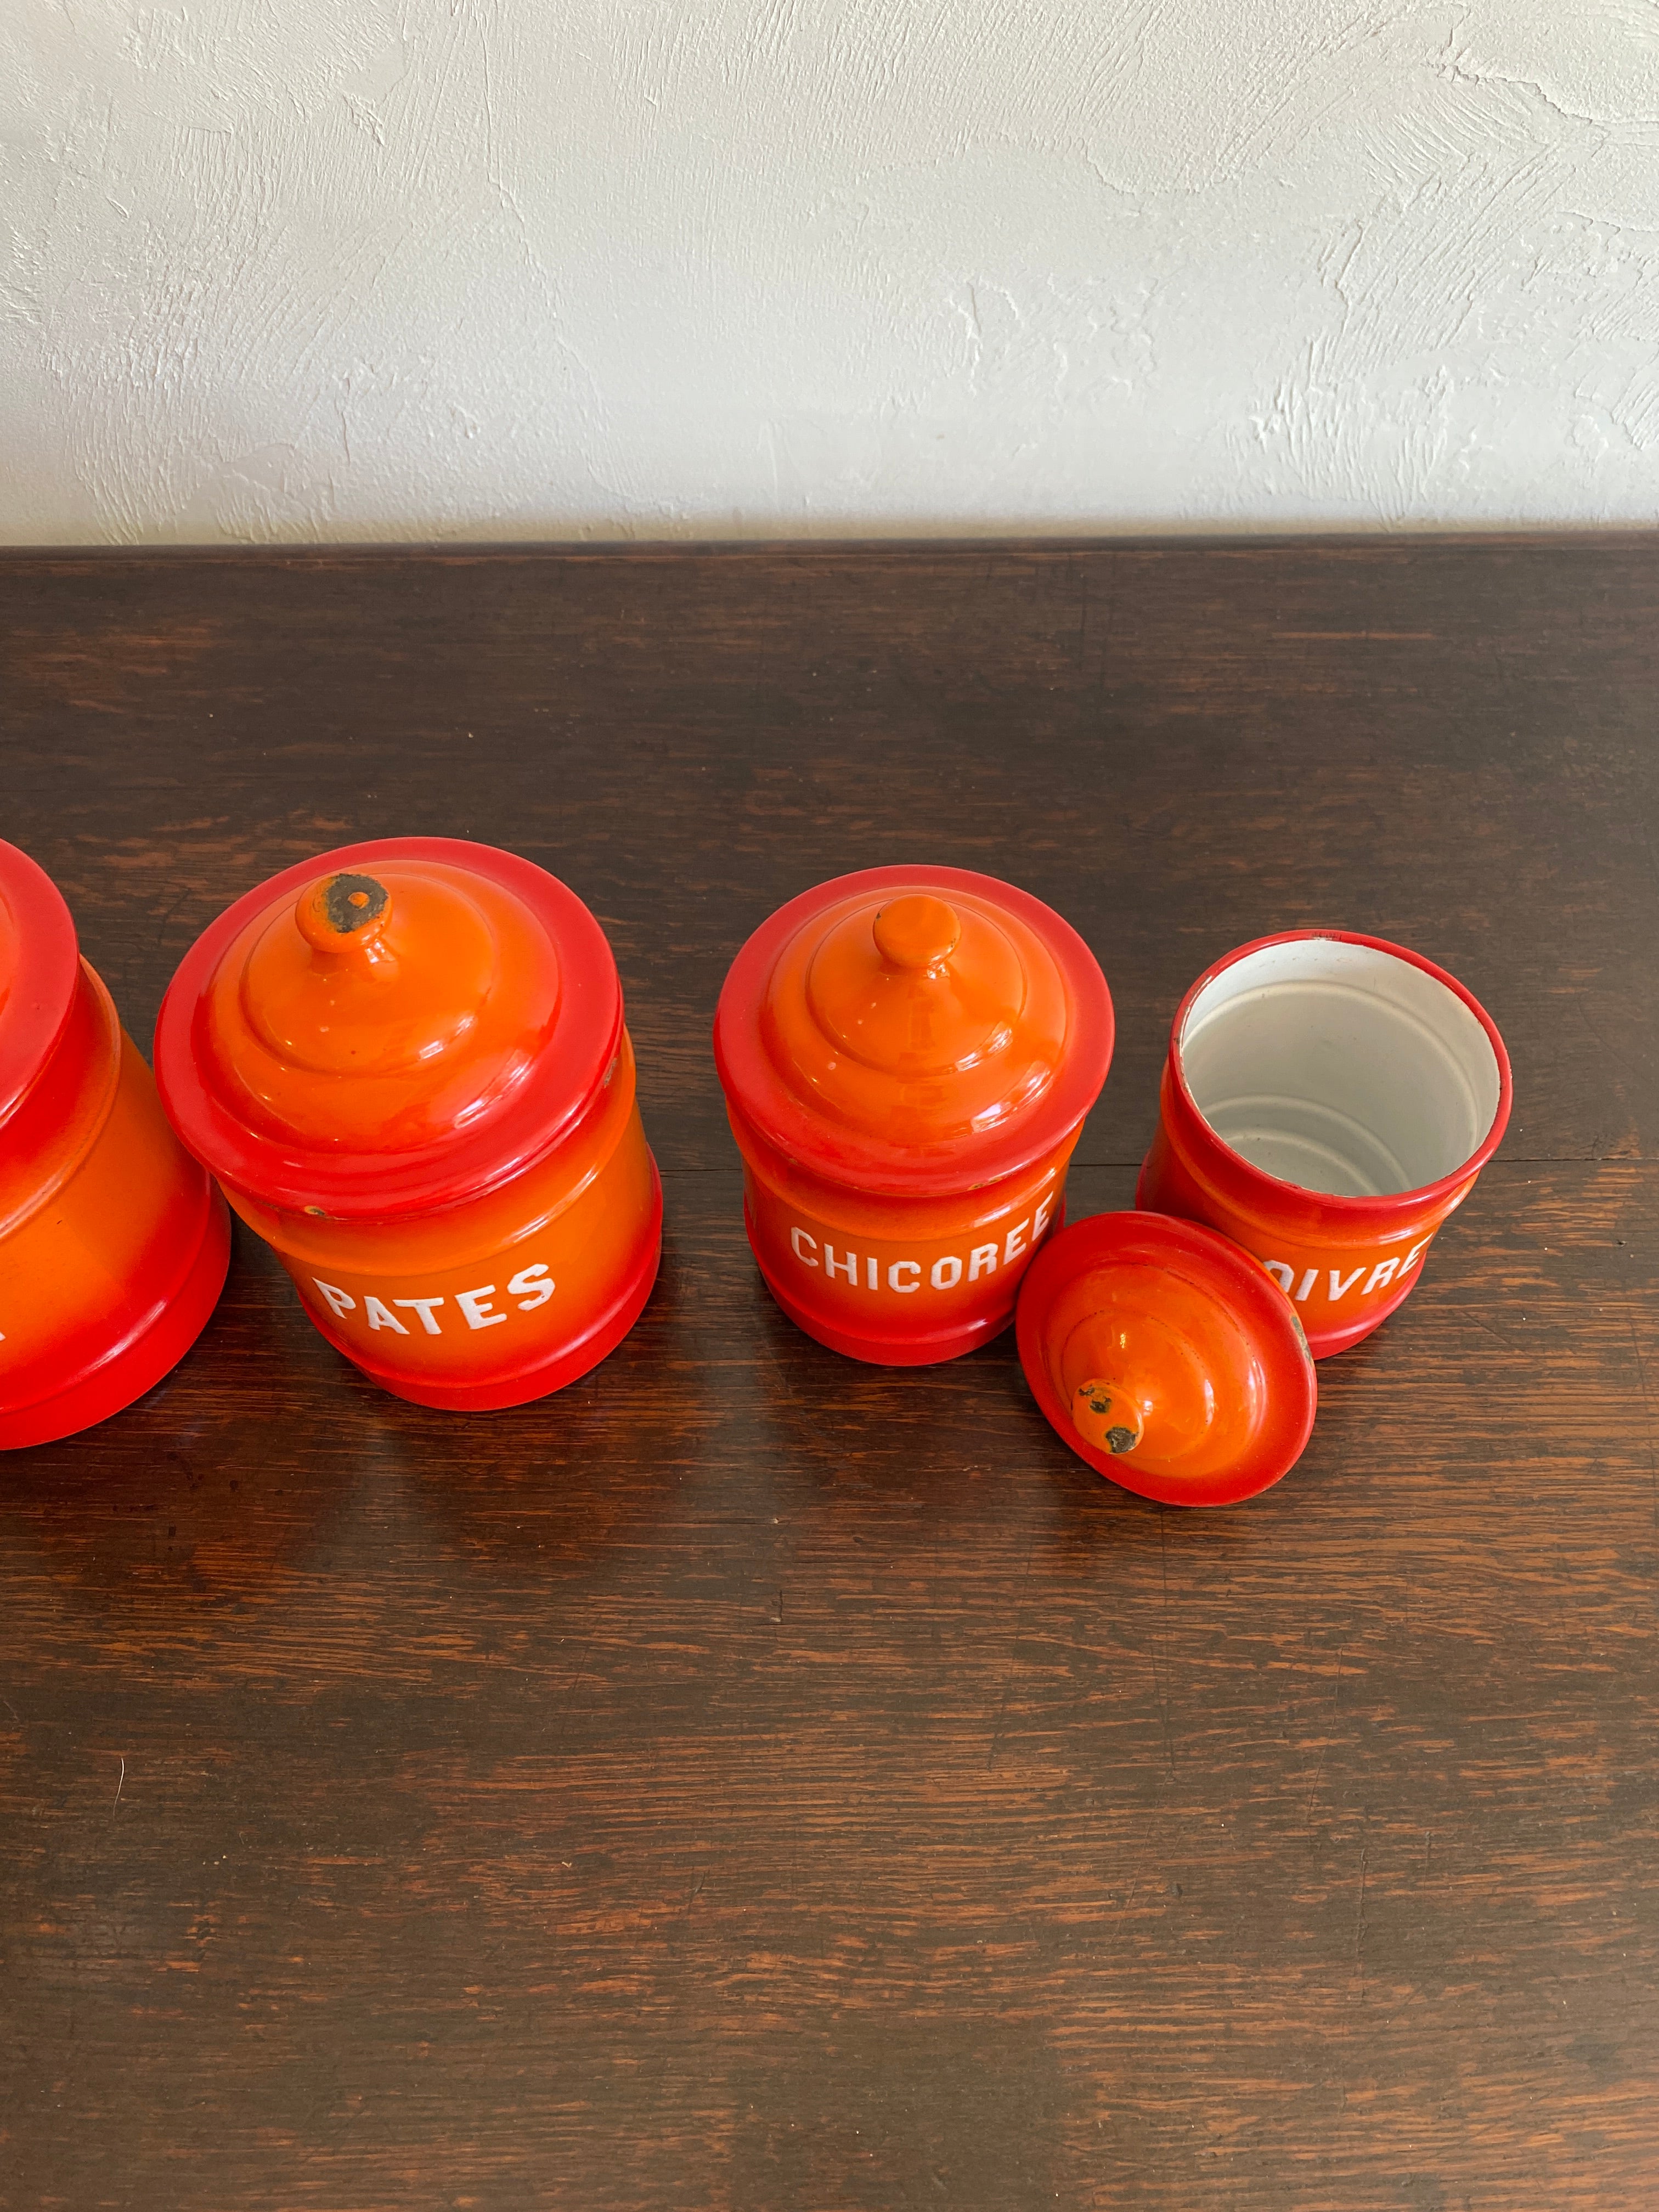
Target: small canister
<point x="907" y="1055"/>
<point x="406" y="1062"/>
<point x="113" y="1243"/>
<point x="1328" y="1100"/>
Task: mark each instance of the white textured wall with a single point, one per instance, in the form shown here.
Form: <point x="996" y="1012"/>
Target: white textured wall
<point x="314" y="268"/>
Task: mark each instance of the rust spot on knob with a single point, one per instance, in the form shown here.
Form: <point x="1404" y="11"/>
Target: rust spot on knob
<point x="917" y="931"/>
<point x="1107" y="1417"/>
<point x="338" y="913"/>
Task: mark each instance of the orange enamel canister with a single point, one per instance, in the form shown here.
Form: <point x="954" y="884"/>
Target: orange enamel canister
<point x="907" y="1055"/>
<point x="1328" y="1101"/>
<point x="113" y="1243"/>
<point x="406" y="1062"/>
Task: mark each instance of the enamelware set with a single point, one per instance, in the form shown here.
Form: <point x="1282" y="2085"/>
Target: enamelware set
<point x="405" y="1065"/>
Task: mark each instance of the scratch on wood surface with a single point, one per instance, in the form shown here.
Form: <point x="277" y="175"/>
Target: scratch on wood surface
<point x="1319" y="1770"/>
<point x="1359" y="1914"/>
<point x="1647" y="1407"/>
<point x="1013" y="1656"/>
<point x="1163" y="1670"/>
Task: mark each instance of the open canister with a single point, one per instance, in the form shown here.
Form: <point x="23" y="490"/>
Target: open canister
<point x="113" y="1243"/>
<point x="907" y="1055"/>
<point x="1328" y="1101"/>
<point x="406" y="1062"/>
<point x="1167" y="1357"/>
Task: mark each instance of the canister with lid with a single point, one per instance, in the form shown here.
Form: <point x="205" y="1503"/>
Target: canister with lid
<point x="907" y="1055"/>
<point x="113" y="1243"/>
<point x="406" y="1062"/>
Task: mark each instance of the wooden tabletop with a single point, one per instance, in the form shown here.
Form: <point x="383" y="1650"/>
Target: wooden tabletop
<point x="747" y="1779"/>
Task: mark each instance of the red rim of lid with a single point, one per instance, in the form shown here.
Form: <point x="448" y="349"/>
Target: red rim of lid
<point x="1213" y="1266"/>
<point x="467" y="1163"/>
<point x="37" y="997"/>
<point x="753" y="1085"/>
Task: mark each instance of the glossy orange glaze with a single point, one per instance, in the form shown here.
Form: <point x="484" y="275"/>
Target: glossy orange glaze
<point x="409" y="1067"/>
<point x="928" y="1276"/>
<point x="1167" y="1357"/>
<point x="906" y="1057"/>
<point x="380" y="1032"/>
<point x="493" y="1300"/>
<point x="915" y="1021"/>
<point x="113" y="1243"/>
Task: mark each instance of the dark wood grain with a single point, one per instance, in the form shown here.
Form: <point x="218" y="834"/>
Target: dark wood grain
<point x="749" y="1780"/>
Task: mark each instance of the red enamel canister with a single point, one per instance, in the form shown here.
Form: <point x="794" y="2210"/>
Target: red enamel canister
<point x="1328" y="1100"/>
<point x="406" y="1062"/>
<point x="907" y="1055"/>
<point x="113" y="1243"/>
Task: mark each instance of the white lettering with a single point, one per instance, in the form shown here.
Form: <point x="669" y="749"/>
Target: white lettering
<point x="982" y="1261"/>
<point x="1383" y="1272"/>
<point x="899" y="1267"/>
<point x="1016" y="1243"/>
<point x="380" y="1317"/>
<point x="475" y="1304"/>
<point x="339" y="1302"/>
<point x="797" y="1238"/>
<point x="1282" y="1275"/>
<point x="529" y="1291"/>
<point x="423" y="1307"/>
<point x="1416" y="1254"/>
<point x="938" y="1278"/>
<point x="1040" y="1218"/>
<point x="849" y="1265"/>
<point x="873" y="1269"/>
<point x="1306" y="1284"/>
<point x="1340" y="1289"/>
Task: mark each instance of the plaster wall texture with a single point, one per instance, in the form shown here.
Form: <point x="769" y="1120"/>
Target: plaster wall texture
<point x="490" y="269"/>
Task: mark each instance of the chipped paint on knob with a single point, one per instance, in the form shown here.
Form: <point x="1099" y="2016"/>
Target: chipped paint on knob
<point x="1108" y="1417"/>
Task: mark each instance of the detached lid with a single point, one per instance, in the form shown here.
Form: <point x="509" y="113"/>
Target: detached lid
<point x="40" y="960"/>
<point x="913" y="1030"/>
<point x="390" y="1027"/>
<point x="1167" y="1357"/>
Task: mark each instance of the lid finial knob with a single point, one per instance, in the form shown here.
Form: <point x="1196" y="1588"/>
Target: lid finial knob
<point x="1107" y="1417"/>
<point x="917" y="931"/>
<point x="343" y="914"/>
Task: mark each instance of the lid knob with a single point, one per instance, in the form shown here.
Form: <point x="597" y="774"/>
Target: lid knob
<point x="917" y="931"/>
<point x="1107" y="1416"/>
<point x="343" y="914"/>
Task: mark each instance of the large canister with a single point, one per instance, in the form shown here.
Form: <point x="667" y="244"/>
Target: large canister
<point x="907" y="1055"/>
<point x="406" y="1062"/>
<point x="113" y="1243"/>
<point x="1328" y="1100"/>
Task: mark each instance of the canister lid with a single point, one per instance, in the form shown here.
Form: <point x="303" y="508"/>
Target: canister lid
<point x="1167" y="1357"/>
<point x="40" y="960"/>
<point x="388" y="1028"/>
<point x="913" y="1030"/>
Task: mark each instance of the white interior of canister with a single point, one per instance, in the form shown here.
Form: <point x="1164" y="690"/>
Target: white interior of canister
<point x="1340" y="1067"/>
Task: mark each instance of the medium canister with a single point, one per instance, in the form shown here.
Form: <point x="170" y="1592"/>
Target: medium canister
<point x="907" y="1055"/>
<point x="1328" y="1100"/>
<point x="406" y="1062"/>
<point x="113" y="1243"/>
